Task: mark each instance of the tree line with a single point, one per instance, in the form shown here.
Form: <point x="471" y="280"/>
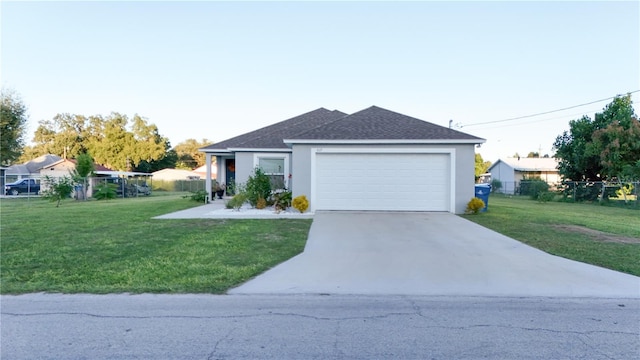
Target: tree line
<point x="604" y="148"/>
<point x="114" y="141"/>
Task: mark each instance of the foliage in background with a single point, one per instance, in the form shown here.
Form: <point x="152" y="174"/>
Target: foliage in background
<point x="545" y="196"/>
<point x="199" y="196"/>
<point x="84" y="168"/>
<point x="105" y="191"/>
<point x="114" y="141"/>
<point x="474" y="206"/>
<point x="13" y="124"/>
<point x="257" y="186"/>
<point x="189" y="157"/>
<point x="603" y="148"/>
<point x="532" y="187"/>
<point x="300" y="203"/>
<point x="57" y="188"/>
<point x="496" y="185"/>
<point x="481" y="166"/>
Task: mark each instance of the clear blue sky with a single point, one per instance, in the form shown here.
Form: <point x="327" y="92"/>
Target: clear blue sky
<point x="218" y="69"/>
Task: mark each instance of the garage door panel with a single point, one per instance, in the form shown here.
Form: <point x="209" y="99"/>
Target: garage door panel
<point x="403" y="182"/>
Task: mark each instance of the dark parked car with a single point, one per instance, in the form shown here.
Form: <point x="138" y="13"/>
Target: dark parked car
<point x="24" y="186"/>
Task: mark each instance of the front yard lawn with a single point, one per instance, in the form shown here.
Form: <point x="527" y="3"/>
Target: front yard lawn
<point x="114" y="246"/>
<point x="605" y="236"/>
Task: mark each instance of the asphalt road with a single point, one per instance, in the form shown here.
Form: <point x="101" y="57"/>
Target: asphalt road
<point x="39" y="326"/>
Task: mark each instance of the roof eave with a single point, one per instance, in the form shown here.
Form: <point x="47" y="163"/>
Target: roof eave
<point x="386" y="141"/>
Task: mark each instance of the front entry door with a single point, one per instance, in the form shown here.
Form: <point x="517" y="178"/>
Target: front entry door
<point x="230" y="178"/>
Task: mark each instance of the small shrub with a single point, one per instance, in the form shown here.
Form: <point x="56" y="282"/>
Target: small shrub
<point x="475" y="205"/>
<point x="261" y="204"/>
<point x="546" y="196"/>
<point x="258" y="186"/>
<point x="199" y="196"/>
<point x="58" y="188"/>
<point x="237" y="201"/>
<point x="282" y="200"/>
<point x="105" y="192"/>
<point x="533" y="187"/>
<point x="300" y="203"/>
<point x="496" y="185"/>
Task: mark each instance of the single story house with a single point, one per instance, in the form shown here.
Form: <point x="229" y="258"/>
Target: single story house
<point x="31" y="168"/>
<point x="65" y="167"/>
<point x="374" y="159"/>
<point x="202" y="171"/>
<point x="175" y="174"/>
<point x="511" y="171"/>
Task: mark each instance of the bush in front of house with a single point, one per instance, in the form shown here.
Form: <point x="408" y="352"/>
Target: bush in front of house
<point x="300" y="203"/>
<point x="282" y="200"/>
<point x="257" y="186"/>
<point x="475" y="205"/>
<point x="237" y="201"/>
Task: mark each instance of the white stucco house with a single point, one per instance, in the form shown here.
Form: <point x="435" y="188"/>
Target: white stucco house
<point x="374" y="159"/>
<point x="511" y="171"/>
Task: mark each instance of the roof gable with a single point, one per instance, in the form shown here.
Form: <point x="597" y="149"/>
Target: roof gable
<point x="270" y="137"/>
<point x="375" y="123"/>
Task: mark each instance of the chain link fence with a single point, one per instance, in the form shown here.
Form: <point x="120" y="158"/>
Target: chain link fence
<point x="178" y="185"/>
<point x="580" y="191"/>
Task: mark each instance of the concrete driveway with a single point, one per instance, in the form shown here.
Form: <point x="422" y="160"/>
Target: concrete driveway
<point x="429" y="254"/>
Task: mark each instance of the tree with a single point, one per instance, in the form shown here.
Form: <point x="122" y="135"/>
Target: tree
<point x="481" y="166"/>
<point x="13" y="122"/>
<point x="57" y="188"/>
<point x="589" y="151"/>
<point x="113" y="140"/>
<point x="533" y="154"/>
<point x="189" y="156"/>
<point x="84" y="169"/>
<point x="619" y="149"/>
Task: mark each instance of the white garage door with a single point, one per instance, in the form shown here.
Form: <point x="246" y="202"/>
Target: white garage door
<point x="396" y="182"/>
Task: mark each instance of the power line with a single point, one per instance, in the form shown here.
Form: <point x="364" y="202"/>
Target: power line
<point x="573" y="115"/>
<point x="546" y="112"/>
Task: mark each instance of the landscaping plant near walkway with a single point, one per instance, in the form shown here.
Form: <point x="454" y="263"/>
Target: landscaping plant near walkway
<point x="115" y="246"/>
<point x="605" y="236"/>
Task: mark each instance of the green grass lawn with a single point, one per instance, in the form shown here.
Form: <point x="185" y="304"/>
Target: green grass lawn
<point x="566" y="229"/>
<point x="114" y="246"/>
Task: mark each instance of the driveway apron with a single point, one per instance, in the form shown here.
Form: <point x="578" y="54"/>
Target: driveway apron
<point x="429" y="254"/>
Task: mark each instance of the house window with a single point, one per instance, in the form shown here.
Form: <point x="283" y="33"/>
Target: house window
<point x="274" y="169"/>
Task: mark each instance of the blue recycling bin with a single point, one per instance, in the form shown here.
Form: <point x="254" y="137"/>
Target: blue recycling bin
<point x="482" y="192"/>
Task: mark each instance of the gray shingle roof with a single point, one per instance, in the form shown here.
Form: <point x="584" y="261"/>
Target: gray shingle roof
<point x="270" y="137"/>
<point x="376" y="123"/>
<point x="373" y="123"/>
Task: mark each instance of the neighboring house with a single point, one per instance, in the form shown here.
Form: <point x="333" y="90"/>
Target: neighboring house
<point x="374" y="159"/>
<point x="66" y="167"/>
<point x="511" y="171"/>
<point x="175" y="174"/>
<point x="31" y="168"/>
<point x="202" y="172"/>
